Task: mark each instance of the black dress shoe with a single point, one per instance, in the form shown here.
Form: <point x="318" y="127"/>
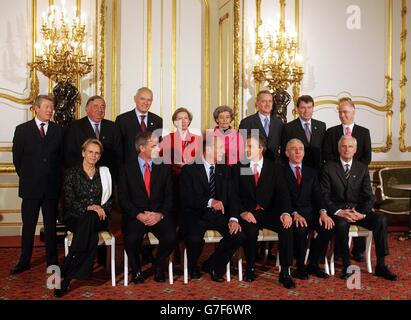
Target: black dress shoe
<point x="315" y="270"/>
<point x="159" y="275"/>
<point x="385" y="273"/>
<point x="359" y="257"/>
<point x="287" y="281"/>
<point x="302" y="274"/>
<point x="138" y="278"/>
<point x="195" y="273"/>
<point x="20" y="268"/>
<point x="58" y="293"/>
<point x="249" y="275"/>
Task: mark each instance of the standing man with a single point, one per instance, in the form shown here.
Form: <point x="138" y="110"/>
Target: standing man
<point x="347" y="192"/>
<point x="308" y="211"/>
<point x="135" y="121"/>
<point x="93" y="126"/>
<point x="262" y="201"/>
<point x="205" y="193"/>
<point x="269" y="126"/>
<point x="308" y="130"/>
<point x="346" y="112"/>
<point x="37" y="155"/>
<point x="146" y="199"/>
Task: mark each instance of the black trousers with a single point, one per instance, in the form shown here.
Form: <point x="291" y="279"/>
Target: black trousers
<point x="268" y="220"/>
<point x="375" y="222"/>
<point x="319" y="246"/>
<point x="134" y="232"/>
<point x="30" y="214"/>
<point x="193" y="236"/>
<point x="79" y="262"/>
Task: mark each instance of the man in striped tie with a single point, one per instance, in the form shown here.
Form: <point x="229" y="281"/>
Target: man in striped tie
<point x="349" y="199"/>
<point x="205" y="193"/>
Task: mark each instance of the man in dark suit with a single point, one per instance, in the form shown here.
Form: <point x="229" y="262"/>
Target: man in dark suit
<point x="262" y="201"/>
<point x="347" y="192"/>
<point x="130" y="123"/>
<point x="308" y="211"/>
<point x="308" y="130"/>
<point x="268" y="125"/>
<point x="93" y="126"/>
<point x="37" y="155"/>
<point x="346" y="112"/>
<point x="146" y="199"/>
<point x="205" y="193"/>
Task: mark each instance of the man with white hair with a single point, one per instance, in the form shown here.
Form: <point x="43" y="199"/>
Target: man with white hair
<point x="347" y="192"/>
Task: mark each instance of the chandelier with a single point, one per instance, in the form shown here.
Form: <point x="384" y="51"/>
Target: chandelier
<point x="278" y="63"/>
<point x="63" y="56"/>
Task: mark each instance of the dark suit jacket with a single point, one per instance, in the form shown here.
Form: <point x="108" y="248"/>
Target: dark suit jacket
<point x="333" y="134"/>
<point x="271" y="193"/>
<point x="132" y="194"/>
<point x="274" y="138"/>
<point x="340" y="193"/>
<point x="81" y="130"/>
<point x="195" y="192"/>
<point x="38" y="160"/>
<point x="128" y="127"/>
<point x="294" y="129"/>
<point x="307" y="199"/>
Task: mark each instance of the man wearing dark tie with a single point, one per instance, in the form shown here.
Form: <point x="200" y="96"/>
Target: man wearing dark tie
<point x="347" y="192"/>
<point x="262" y="201"/>
<point x="308" y="130"/>
<point x="205" y="193"/>
<point x="308" y="211"/>
<point x="93" y="126"/>
<point x="268" y="125"/>
<point x="130" y="123"/>
<point x="346" y="112"/>
<point x="37" y="155"/>
<point x="146" y="199"/>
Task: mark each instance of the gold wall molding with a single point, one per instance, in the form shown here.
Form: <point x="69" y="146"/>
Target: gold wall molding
<point x="6" y="149"/>
<point x="34" y="81"/>
<point x="387" y="108"/>
<point x="403" y="76"/>
<point x="174" y="58"/>
<point x="102" y="48"/>
<point x="149" y="42"/>
<point x="7" y="168"/>
<point x="375" y="165"/>
<point x="236" y="85"/>
<point x="207" y="63"/>
<point x="10" y="211"/>
<point x="297" y="86"/>
<point x="221" y="21"/>
<point x="9" y="185"/>
<point x="114" y="58"/>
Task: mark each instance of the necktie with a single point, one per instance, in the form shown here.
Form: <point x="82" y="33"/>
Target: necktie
<point x="298" y="174"/>
<point x="256" y="174"/>
<point x="97" y="131"/>
<point x="266" y="126"/>
<point x="211" y="183"/>
<point x="307" y="131"/>
<point x="147" y="178"/>
<point x="347" y="171"/>
<point x="143" y="124"/>
<point x="42" y="132"/>
<point x="347" y="131"/>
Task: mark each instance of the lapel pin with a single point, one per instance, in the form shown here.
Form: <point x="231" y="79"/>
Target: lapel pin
<point x="151" y="124"/>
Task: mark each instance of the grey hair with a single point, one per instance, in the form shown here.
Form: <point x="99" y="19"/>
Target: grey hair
<point x="222" y="109"/>
<point x="144" y="89"/>
<point x="295" y="140"/>
<point x="345" y="137"/>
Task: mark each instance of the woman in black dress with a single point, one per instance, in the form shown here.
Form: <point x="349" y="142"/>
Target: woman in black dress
<point x="87" y="210"/>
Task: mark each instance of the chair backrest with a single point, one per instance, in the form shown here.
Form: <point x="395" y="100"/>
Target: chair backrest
<point x="391" y="176"/>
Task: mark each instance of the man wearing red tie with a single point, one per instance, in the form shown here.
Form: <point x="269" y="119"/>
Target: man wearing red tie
<point x="346" y="112"/>
<point x="37" y="155"/>
<point x="146" y="199"/>
<point x="308" y="211"/>
<point x="262" y="201"/>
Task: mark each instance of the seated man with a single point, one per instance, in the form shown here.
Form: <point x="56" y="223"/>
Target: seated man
<point x="205" y="193"/>
<point x="262" y="201"/>
<point x="146" y="199"/>
<point x="347" y="192"/>
<point x="307" y="211"/>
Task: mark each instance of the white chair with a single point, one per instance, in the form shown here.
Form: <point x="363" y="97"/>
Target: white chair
<point x="263" y="235"/>
<point x="210" y="236"/>
<point x="357" y="231"/>
<point x="106" y="238"/>
<point x="312" y="235"/>
<point x="153" y="241"/>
